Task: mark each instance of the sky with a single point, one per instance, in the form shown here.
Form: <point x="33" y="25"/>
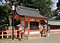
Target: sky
<point x="2" y="1"/>
<point x="54" y="5"/>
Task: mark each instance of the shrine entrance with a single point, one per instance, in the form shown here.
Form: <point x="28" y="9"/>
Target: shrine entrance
<point x="29" y="19"/>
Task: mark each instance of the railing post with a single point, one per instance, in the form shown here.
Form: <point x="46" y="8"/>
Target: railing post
<point x="20" y="34"/>
<point x="2" y="34"/>
<point x="7" y="33"/>
<point x="16" y="33"/>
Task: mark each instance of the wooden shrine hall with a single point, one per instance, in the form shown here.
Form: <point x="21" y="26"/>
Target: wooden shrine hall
<point x="29" y="20"/>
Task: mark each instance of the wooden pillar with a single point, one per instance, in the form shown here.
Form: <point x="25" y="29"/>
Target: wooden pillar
<point x="24" y="25"/>
<point x="39" y="25"/>
<point x="20" y="30"/>
<point x="47" y="26"/>
<point x="28" y="26"/>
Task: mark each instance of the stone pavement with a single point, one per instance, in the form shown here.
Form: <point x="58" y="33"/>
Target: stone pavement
<point x="54" y="38"/>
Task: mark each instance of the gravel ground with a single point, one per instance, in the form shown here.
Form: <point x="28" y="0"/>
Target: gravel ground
<point x="55" y="38"/>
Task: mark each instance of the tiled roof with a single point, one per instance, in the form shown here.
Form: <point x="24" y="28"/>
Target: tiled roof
<point x="55" y="22"/>
<point x="25" y="11"/>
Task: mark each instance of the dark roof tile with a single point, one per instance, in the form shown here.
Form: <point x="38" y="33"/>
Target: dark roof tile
<point x="25" y="11"/>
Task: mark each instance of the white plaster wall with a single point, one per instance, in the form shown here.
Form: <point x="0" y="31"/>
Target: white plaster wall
<point x="35" y="32"/>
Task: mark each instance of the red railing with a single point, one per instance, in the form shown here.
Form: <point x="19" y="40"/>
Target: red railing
<point x="7" y="33"/>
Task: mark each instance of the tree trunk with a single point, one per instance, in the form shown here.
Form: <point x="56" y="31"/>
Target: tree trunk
<point x="10" y="20"/>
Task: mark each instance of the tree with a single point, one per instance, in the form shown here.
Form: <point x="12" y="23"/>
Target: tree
<point x="58" y="5"/>
<point x="4" y="12"/>
<point x="58" y="10"/>
<point x="44" y="6"/>
<point x="29" y="3"/>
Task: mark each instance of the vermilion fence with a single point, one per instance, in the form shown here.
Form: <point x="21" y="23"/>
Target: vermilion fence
<point x="7" y="33"/>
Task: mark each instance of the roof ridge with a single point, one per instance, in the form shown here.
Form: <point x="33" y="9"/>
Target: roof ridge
<point x="27" y="8"/>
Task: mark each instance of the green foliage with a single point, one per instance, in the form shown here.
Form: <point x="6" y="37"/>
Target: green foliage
<point x="57" y="11"/>
<point x="44" y="6"/>
<point x="16" y="22"/>
<point x="29" y="3"/>
<point x="58" y="5"/>
<point x="1" y="0"/>
<point x="4" y="12"/>
<point x="56" y="14"/>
